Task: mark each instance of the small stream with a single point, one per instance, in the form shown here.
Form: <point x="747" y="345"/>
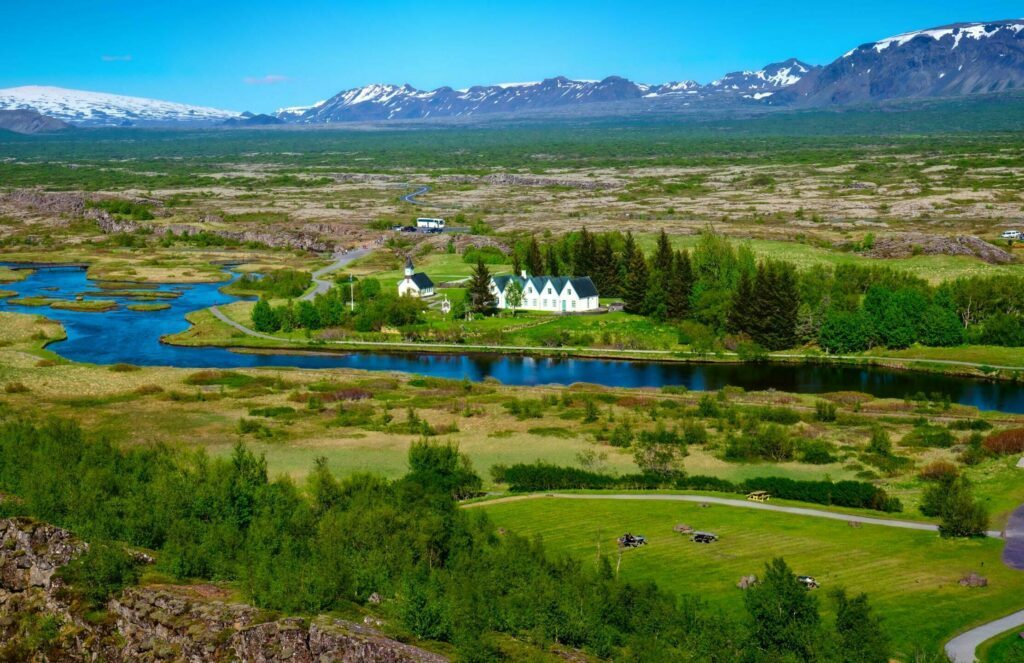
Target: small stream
<point x="133" y="337"/>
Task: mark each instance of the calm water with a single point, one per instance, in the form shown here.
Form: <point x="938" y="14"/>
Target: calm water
<point x="134" y="337"/>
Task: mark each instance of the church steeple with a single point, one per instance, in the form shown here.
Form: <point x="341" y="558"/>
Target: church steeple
<point x="408" y="267"/>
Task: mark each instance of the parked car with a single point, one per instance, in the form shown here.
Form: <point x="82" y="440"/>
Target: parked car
<point x="1011" y="234"/>
<point x="632" y="541"/>
<point x="808" y="581"/>
<point x="704" y="537"/>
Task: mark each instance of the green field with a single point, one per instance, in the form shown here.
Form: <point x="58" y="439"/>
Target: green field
<point x="1006" y="648"/>
<point x="911" y="577"/>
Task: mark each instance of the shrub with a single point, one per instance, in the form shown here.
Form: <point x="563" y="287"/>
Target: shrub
<point x="939" y="470"/>
<point x="770" y="442"/>
<point x="15" y="388"/>
<point x="99" y="573"/>
<point x="970" y="424"/>
<point x="1005" y="442"/>
<point x="694" y="433"/>
<point x="929" y="436"/>
<point x="825" y="411"/>
<point x="879" y="444"/>
<point x="707" y="407"/>
<point x="817" y="452"/>
<point x="124" y="368"/>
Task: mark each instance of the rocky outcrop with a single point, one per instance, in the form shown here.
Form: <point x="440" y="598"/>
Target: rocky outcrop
<point x="511" y="179"/>
<point x="193" y="623"/>
<point x="31" y="552"/>
<point x="908" y="244"/>
<point x="46" y="202"/>
<point x="300" y="240"/>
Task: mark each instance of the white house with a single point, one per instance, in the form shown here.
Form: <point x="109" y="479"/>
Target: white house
<point x="415" y="285"/>
<point x="557" y="294"/>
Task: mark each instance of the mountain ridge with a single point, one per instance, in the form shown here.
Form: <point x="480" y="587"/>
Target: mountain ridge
<point x="954" y="60"/>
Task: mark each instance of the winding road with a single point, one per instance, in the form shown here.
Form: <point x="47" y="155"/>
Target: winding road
<point x="411" y="197"/>
<point x="322" y="285"/>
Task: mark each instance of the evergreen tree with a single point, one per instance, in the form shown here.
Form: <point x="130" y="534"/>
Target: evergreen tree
<point x="606" y="270"/>
<point x="785" y="615"/>
<point x="534" y="260"/>
<point x="263" y="318"/>
<point x="664" y="259"/>
<point x="742" y="316"/>
<point x="554" y="268"/>
<point x="517" y="263"/>
<point x="775" y="305"/>
<point x="479" y="296"/>
<point x="680" y="286"/>
<point x="584" y="254"/>
<point x="861" y="638"/>
<point x="636" y="284"/>
<point x="626" y="259"/>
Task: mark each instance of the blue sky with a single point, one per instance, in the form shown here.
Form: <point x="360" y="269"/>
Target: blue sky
<point x="262" y="54"/>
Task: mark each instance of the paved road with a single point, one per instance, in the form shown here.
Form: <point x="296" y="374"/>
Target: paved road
<point x="321" y="285"/>
<point x="961" y="648"/>
<point x="411" y="197"/>
<point x="1013" y="553"/>
<point x="746" y="504"/>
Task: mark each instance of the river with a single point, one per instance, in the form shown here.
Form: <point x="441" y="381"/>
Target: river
<point x="133" y="337"/>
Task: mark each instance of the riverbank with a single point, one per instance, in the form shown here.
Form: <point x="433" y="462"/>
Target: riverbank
<point x="222" y="329"/>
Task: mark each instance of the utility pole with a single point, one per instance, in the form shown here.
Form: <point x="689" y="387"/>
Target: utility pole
<point x="351" y="294"/>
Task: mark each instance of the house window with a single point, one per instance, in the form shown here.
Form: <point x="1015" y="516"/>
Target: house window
<point x="574" y="303"/>
<point x="545" y="302"/>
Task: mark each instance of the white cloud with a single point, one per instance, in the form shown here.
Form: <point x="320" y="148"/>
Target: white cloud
<point x="116" y="58"/>
<point x="269" y="79"/>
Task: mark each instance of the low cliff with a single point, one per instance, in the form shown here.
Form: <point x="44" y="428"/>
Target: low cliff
<point x="194" y="623"/>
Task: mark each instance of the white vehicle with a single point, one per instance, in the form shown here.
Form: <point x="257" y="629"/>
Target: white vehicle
<point x="1011" y="234"/>
<point x="430" y="225"/>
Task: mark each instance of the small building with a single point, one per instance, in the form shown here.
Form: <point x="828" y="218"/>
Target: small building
<point x="759" y="496"/>
<point x="556" y="294"/>
<point x="415" y="284"/>
<point x="430" y="225"/>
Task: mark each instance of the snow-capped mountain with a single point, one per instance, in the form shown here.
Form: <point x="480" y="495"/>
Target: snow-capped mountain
<point x="404" y="102"/>
<point x="100" y="109"/>
<point x="952" y="60"/>
<point x="763" y="82"/>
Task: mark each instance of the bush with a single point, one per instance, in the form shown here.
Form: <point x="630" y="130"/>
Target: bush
<point x="939" y="470"/>
<point x="1005" y="442"/>
<point x="817" y="452"/>
<point x="100" y="573"/>
<point x="770" y="442"/>
<point x="15" y="388"/>
<point x="929" y="436"/>
<point x="825" y="411"/>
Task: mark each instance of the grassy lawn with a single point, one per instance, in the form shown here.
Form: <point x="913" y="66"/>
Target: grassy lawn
<point x="934" y="269"/>
<point x="1005" y="648"/>
<point x="911" y="577"/>
<point x="980" y="354"/>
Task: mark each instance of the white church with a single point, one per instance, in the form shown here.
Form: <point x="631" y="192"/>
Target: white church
<point x="415" y="284"/>
<point x="555" y="294"/>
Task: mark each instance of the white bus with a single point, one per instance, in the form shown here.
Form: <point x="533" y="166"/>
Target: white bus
<point x="430" y="225"/>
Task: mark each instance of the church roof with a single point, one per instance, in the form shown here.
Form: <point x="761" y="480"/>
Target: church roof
<point x="422" y="281"/>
